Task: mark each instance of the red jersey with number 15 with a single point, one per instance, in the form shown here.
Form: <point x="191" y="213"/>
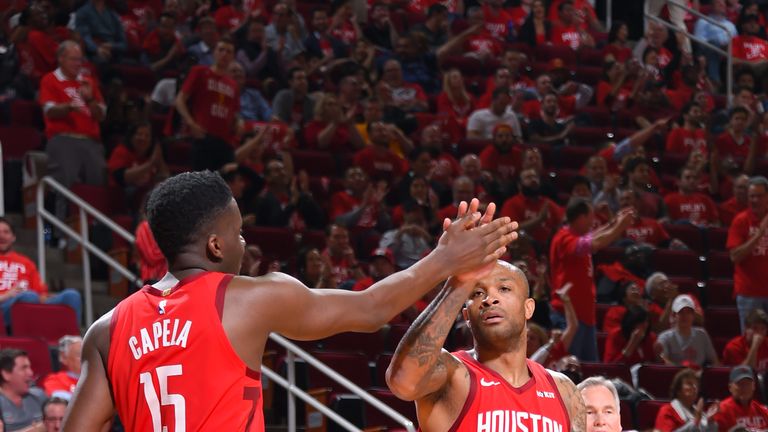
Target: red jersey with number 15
<point x="493" y="405"/>
<point x="171" y="365"/>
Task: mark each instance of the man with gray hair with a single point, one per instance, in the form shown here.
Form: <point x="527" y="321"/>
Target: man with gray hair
<point x="62" y="384"/>
<point x="72" y="108"/>
<point x="748" y="246"/>
<point x="602" y="402"/>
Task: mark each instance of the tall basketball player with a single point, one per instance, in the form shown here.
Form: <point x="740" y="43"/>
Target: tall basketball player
<point x="493" y="387"/>
<point x="184" y="354"/>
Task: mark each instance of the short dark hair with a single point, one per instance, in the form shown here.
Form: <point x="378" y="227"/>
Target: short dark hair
<point x="5" y="220"/>
<point x="292" y="71"/>
<point x="8" y="358"/>
<point x="436" y="9"/>
<point x="54" y="401"/>
<point x="633" y="163"/>
<point x="180" y="206"/>
<point x="577" y="207"/>
<point x="677" y="381"/>
<point x="688" y="107"/>
<point x="562" y="5"/>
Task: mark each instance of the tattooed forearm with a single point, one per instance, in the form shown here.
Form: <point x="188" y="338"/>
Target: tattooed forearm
<point x="419" y="356"/>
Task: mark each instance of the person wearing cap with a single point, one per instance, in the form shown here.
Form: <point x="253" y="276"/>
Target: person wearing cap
<point x="482" y="122"/>
<point x="381" y="265"/>
<point x="748" y="247"/>
<point x="750" y="348"/>
<point x="741" y="409"/>
<point x="683" y="344"/>
<point x="662" y="293"/>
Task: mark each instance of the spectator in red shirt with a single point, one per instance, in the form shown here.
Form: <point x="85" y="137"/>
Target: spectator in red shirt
<point x="748" y="246"/>
<point x="446" y="166"/>
<point x="138" y="163"/>
<point x="616" y="91"/>
<point x="20" y="282"/>
<point x="332" y="129"/>
<point x="633" y="342"/>
<point x="454" y="100"/>
<point x="481" y="45"/>
<point x="735" y="143"/>
<point x="161" y="46"/>
<point x="344" y="23"/>
<point x="570" y="260"/>
<point x="650" y="204"/>
<point x="748" y="47"/>
<point x="691" y="136"/>
<point x="395" y="92"/>
<point x="72" y="109"/>
<point x="643" y="229"/>
<point x="286" y="200"/>
<point x="684" y="412"/>
<point x="381" y="265"/>
<point x="539" y="216"/>
<point x="498" y="21"/>
<point x="585" y="15"/>
<point x="750" y="348"/>
<point x="37" y="51"/>
<point x="737" y="203"/>
<point x="341" y="256"/>
<point x="502" y="159"/>
<point x="229" y="17"/>
<point x="688" y="205"/>
<point x="377" y="160"/>
<point x="628" y="294"/>
<point x="209" y="102"/>
<point x="566" y="31"/>
<point x="618" y="47"/>
<point x="361" y="203"/>
<point x="62" y="384"/>
<point x="741" y="409"/>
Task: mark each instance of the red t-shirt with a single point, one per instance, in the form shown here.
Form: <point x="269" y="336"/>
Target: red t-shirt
<point x="214" y="101"/>
<point x="380" y="164"/>
<point x="735" y="352"/>
<point x="584" y="11"/>
<point x="682" y="140"/>
<point x="38" y="54"/>
<point x="339" y="143"/>
<point x="483" y="42"/>
<point x="613" y="317"/>
<point x="408" y="92"/>
<point x="728" y="146"/>
<point x="494" y="405"/>
<point x="615" y="343"/>
<point x="160" y="346"/>
<point x="346" y="33"/>
<point x="228" y="18"/>
<point x="667" y="419"/>
<point x="697" y="208"/>
<point x="17" y="269"/>
<point x="60" y="384"/>
<point x="566" y="36"/>
<point x="604" y="89"/>
<point x="154" y="47"/>
<point x="750" y="48"/>
<point x="750" y="277"/>
<point x="729" y="209"/>
<point x="647" y="230"/>
<point x="503" y="166"/>
<point x="122" y="158"/>
<point x="753" y="417"/>
<point x="520" y="208"/>
<point x="151" y="259"/>
<point x="343" y="202"/>
<point x="497" y="23"/>
<point x="621" y="54"/>
<point x="570" y="258"/>
<point x="55" y="88"/>
<point x="460" y="111"/>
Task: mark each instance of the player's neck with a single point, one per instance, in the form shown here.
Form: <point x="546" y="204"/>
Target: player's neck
<point x="509" y="363"/>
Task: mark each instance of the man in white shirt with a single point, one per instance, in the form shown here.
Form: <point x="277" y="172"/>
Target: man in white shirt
<point x="482" y="122"/>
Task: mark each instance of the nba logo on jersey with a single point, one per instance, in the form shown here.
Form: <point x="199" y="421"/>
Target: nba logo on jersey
<point x="161" y="307"/>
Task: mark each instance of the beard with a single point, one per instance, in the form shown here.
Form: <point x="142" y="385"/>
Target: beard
<point x="530" y="192"/>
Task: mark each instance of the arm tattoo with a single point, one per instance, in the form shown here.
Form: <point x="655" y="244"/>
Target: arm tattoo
<point x="573" y="402"/>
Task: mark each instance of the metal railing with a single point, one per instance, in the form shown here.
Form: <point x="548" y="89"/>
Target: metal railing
<point x="293" y="351"/>
<point x="728" y="53"/>
<point x="2" y="182"/>
<point x="292" y="389"/>
<point x="608" y="14"/>
<point x="85" y="210"/>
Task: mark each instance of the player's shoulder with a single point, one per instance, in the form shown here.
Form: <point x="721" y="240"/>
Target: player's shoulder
<point x="562" y="382"/>
<point x="270" y="284"/>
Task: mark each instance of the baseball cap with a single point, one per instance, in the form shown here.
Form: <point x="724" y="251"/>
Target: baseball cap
<point x="681" y="302"/>
<point x="740" y="372"/>
<point x="555" y="64"/>
<point x="384" y="253"/>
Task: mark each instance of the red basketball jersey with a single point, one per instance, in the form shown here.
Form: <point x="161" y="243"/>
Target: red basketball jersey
<point x="493" y="405"/>
<point x="171" y="365"/>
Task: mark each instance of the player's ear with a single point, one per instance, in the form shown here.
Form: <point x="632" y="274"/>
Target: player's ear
<point x="530" y="306"/>
<point x="214" y="248"/>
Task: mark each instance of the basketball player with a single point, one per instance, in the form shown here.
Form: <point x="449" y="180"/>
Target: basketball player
<point x="184" y="354"/>
<point x="493" y="387"/>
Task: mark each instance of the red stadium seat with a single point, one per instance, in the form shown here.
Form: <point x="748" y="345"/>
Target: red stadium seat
<point x="44" y="321"/>
<point x="716" y="239"/>
<point x="27" y="113"/>
<point x="719" y="292"/>
<point x="687" y="285"/>
<point x="601" y="338"/>
<point x="369" y="344"/>
<point x="599" y="115"/>
<point x="722" y="321"/>
<point x="18" y="140"/>
<point x="545" y="53"/>
<point x="627" y="415"/>
<point x="315" y="163"/>
<point x="608" y="370"/>
<point x="179" y="155"/>
<point x="589" y="75"/>
<point x="691" y="235"/>
<point x="719" y="265"/>
<point x="677" y="263"/>
<point x="573" y="157"/>
<point x="655" y="379"/>
<point x="374" y="417"/>
<point x="313" y="238"/>
<point x="590" y="57"/>
<point x="592" y="137"/>
<point x="714" y="382"/>
<point x="645" y="413"/>
<point x="278" y="243"/>
<point x="379" y="375"/>
<point x="36" y="349"/>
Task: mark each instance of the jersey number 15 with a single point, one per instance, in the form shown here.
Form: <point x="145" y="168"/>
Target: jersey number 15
<point x="177" y="400"/>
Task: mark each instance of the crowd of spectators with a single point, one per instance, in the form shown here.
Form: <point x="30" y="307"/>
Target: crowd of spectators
<point x="370" y="122"/>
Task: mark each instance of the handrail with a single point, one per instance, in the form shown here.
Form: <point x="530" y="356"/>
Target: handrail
<point x="322" y="367"/>
<point x="2" y="182"/>
<point x="727" y="53"/>
<point x="608" y="14"/>
<point x="85" y="210"/>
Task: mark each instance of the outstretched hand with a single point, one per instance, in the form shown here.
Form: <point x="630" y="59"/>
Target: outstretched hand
<point x="479" y="240"/>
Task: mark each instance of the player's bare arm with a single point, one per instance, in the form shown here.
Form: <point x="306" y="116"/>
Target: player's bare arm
<point x="92" y="405"/>
<point x="573" y="401"/>
<point x="301" y="313"/>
